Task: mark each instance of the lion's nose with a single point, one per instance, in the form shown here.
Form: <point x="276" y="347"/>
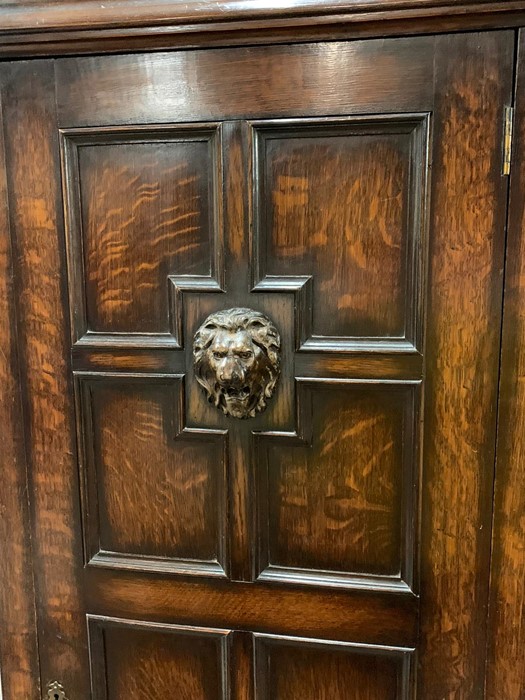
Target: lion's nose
<point x="230" y="371"/>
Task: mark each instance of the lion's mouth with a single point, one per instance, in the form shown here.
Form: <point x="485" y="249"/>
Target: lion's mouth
<point x="236" y="394"/>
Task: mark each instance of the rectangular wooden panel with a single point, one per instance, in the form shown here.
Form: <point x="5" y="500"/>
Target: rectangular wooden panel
<point x="138" y="660"/>
<point x="370" y="616"/>
<point x="142" y="204"/>
<point x="506" y="633"/>
<point x="154" y="497"/>
<point x="343" y="200"/>
<point x="356" y="77"/>
<point x="288" y="668"/>
<point x="340" y="506"/>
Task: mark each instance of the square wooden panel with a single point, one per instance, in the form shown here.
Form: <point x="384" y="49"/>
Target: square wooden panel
<point x="289" y="668"/>
<point x="138" y="660"/>
<point x="143" y="204"/>
<point x="342" y="201"/>
<point x="154" y="497"/>
<point x="340" y="507"/>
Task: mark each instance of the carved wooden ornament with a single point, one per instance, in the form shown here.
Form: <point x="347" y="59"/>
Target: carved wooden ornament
<point x="237" y="360"/>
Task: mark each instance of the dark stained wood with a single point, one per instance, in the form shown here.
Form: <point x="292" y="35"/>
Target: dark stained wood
<point x="506" y="637"/>
<point x="153" y="495"/>
<point x="291" y="180"/>
<point x="381" y="364"/>
<point x="122" y="253"/>
<point x="288" y="669"/>
<point x="18" y="643"/>
<point x="364" y="365"/>
<point x="377" y="76"/>
<point x="62" y="26"/>
<point x="370" y="616"/>
<point x="242" y="677"/>
<point x="342" y="504"/>
<point x="237" y="265"/>
<point x="465" y="286"/>
<point x="157" y="661"/>
<point x="35" y="203"/>
<point x="343" y="200"/>
<point x="66" y="15"/>
<point x="128" y="359"/>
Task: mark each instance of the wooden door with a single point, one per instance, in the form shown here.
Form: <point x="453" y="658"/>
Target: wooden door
<point x="348" y="197"/>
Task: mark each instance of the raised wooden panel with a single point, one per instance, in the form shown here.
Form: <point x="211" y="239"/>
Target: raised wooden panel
<point x="343" y="201"/>
<point x="154" y="498"/>
<point x="138" y="660"/>
<point x="280" y="412"/>
<point x="288" y="668"/>
<point x="340" y="508"/>
<point x="143" y="205"/>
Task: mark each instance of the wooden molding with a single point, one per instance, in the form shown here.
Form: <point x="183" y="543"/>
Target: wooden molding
<point x="91" y="26"/>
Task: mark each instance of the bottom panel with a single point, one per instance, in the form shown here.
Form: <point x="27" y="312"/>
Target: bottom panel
<point x="289" y="668"/>
<point x="138" y="660"/>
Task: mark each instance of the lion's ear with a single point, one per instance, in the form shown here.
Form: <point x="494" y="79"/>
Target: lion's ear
<point x="203" y="340"/>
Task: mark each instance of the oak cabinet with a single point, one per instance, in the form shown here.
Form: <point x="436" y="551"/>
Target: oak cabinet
<point x="256" y="317"/>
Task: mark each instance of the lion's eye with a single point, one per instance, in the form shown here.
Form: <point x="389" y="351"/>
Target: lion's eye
<point x="219" y="355"/>
<point x="245" y="355"/>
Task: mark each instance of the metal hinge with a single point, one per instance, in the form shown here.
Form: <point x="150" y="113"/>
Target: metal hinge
<point x="55" y="691"/>
<point x="507" y="139"/>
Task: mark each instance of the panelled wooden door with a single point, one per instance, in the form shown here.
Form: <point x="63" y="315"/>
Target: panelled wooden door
<point x="336" y="545"/>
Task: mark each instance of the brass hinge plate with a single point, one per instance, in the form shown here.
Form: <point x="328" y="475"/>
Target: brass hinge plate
<point x="507" y="139"/>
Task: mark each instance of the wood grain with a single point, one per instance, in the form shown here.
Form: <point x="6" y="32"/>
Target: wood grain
<point x="242" y="677"/>
<point x="338" y="505"/>
<point x="377" y="76"/>
<point x="364" y="365"/>
<point x="288" y="669"/>
<point x="155" y="495"/>
<point x="18" y="641"/>
<point x="466" y="261"/>
<point x="130" y="359"/>
<point x="65" y="27"/>
<point x="346" y="462"/>
<point x="67" y="15"/>
<point x="372" y="616"/>
<point x="506" y="670"/>
<point x="37" y="228"/>
<point x="156" y="661"/>
<point x="144" y="208"/>
<point x="342" y="200"/>
<point x="142" y="205"/>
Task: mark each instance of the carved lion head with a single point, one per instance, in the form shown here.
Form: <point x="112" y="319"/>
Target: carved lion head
<point x="236" y="358"/>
